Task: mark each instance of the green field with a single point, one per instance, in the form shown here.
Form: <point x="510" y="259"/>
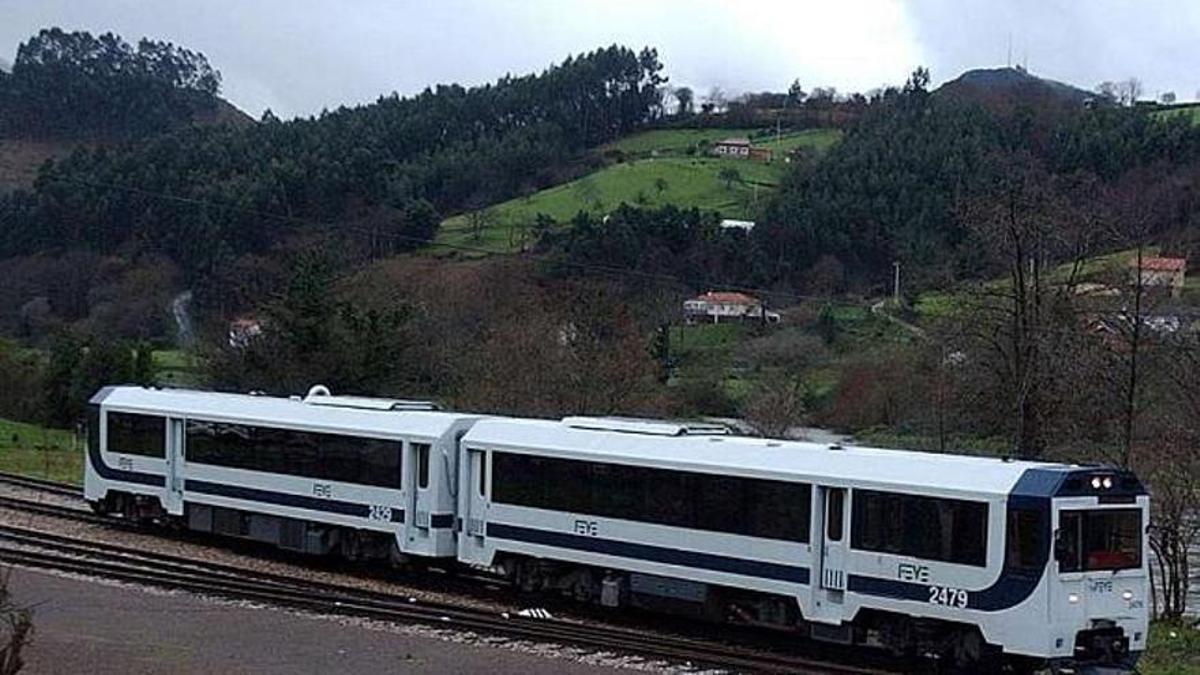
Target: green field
<point x="1192" y="112"/>
<point x="678" y="141"/>
<point x="671" y="178"/>
<point x="672" y="141"/>
<point x="53" y="454"/>
<point x="175" y="368"/>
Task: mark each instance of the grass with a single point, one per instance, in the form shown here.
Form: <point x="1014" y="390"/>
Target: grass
<point x="819" y="140"/>
<point x="672" y="141"/>
<point x="1174" y="649"/>
<point x="176" y="368"/>
<point x="690" y="182"/>
<point x="1191" y="112"/>
<point x="30" y="450"/>
<point x="668" y="177"/>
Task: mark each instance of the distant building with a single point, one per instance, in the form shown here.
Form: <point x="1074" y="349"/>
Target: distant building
<point x="732" y="147"/>
<point x="730" y="224"/>
<point x="717" y="306"/>
<point x="760" y="154"/>
<point x="243" y="331"/>
<point x="1167" y="273"/>
<point x="740" y="148"/>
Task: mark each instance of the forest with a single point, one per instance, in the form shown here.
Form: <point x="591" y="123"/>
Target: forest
<point x="79" y="86"/>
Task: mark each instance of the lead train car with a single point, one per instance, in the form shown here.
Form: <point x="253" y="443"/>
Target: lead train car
<point x="359" y="477"/>
<point x="917" y="552"/>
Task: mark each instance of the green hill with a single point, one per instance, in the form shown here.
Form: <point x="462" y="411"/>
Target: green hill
<point x="670" y="169"/>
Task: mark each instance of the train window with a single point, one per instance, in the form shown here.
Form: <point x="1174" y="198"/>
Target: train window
<point x="348" y="459"/>
<point x="422" y="464"/>
<point x="137" y="434"/>
<point x="932" y="528"/>
<point x="482" y="474"/>
<point x="93" y="427"/>
<point x="759" y="508"/>
<point x="1104" y="539"/>
<point x="835" y="513"/>
<point x="1024" y="540"/>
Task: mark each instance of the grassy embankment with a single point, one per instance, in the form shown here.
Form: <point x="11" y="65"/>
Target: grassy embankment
<point x="662" y="167"/>
<point x="30" y="450"/>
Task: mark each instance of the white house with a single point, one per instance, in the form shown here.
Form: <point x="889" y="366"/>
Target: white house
<point x="718" y="306"/>
<point x="732" y="147"/>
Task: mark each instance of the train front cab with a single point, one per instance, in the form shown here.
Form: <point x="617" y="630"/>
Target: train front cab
<point x="1099" y="588"/>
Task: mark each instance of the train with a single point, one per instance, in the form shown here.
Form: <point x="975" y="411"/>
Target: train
<point x="967" y="560"/>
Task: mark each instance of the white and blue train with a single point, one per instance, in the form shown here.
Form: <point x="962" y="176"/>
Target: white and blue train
<point x="963" y="558"/>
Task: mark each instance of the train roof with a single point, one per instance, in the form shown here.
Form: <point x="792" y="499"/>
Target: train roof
<point x="301" y="413"/>
<point x="759" y="457"/>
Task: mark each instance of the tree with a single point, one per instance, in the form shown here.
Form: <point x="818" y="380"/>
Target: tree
<point x="729" y="176"/>
<point x="796" y="94"/>
<point x="1028" y="226"/>
<point x="1168" y="97"/>
<point x="776" y="406"/>
<point x="660" y="185"/>
<point x="714" y="101"/>
<point x="1129" y="90"/>
<point x="686" y="101"/>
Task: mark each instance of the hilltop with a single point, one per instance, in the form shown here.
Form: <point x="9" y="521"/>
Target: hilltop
<point x="70" y="90"/>
<point x="1010" y="85"/>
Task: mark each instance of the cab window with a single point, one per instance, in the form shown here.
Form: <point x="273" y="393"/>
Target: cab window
<point x="1099" y="540"/>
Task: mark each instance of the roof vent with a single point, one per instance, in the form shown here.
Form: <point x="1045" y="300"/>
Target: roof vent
<point x="633" y="425"/>
<point x="319" y="395"/>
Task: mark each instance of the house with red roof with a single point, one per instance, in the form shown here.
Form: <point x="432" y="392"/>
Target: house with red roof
<point x="1159" y="273"/>
<point x="717" y="306"/>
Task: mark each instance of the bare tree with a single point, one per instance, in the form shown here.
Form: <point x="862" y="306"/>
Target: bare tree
<point x="776" y="406"/>
<point x="1171" y="469"/>
<point x="1028" y="226"/>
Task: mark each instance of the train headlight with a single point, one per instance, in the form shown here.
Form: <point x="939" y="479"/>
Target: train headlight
<point x="1073" y="598"/>
<point x="1127" y="595"/>
<point x="1096" y="482"/>
<point x="1107" y="482"/>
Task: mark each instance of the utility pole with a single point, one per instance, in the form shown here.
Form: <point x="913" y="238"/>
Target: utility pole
<point x="896" y="284"/>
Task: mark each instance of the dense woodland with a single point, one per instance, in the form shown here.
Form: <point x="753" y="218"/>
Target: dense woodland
<point x="79" y="86"/>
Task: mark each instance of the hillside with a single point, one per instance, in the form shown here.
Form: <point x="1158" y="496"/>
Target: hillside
<point x="72" y="90"/>
<point x="668" y="166"/>
<point x="1006" y="86"/>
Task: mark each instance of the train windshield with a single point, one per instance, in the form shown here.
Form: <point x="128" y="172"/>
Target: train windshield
<point x="1098" y="540"/>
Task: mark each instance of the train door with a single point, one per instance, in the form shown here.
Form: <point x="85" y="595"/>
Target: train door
<point x="421" y="500"/>
<point x="173" y="496"/>
<point x="477" y="497"/>
<point x="830" y="563"/>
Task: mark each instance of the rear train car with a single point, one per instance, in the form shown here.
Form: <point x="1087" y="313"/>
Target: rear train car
<point x="960" y="557"/>
<point x="366" y="478"/>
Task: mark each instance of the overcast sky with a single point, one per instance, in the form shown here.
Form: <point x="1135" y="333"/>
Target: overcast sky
<point x="299" y="56"/>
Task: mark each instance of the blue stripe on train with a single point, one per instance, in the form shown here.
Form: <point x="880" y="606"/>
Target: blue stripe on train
<point x="286" y="499"/>
<point x="660" y="554"/>
<point x="108" y="473"/>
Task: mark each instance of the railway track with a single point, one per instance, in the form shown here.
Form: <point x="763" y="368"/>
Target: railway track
<point x="53" y="487"/>
<point x="44" y="550"/>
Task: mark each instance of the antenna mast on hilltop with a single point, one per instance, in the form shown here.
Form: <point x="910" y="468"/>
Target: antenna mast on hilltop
<point x="1008" y="62"/>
